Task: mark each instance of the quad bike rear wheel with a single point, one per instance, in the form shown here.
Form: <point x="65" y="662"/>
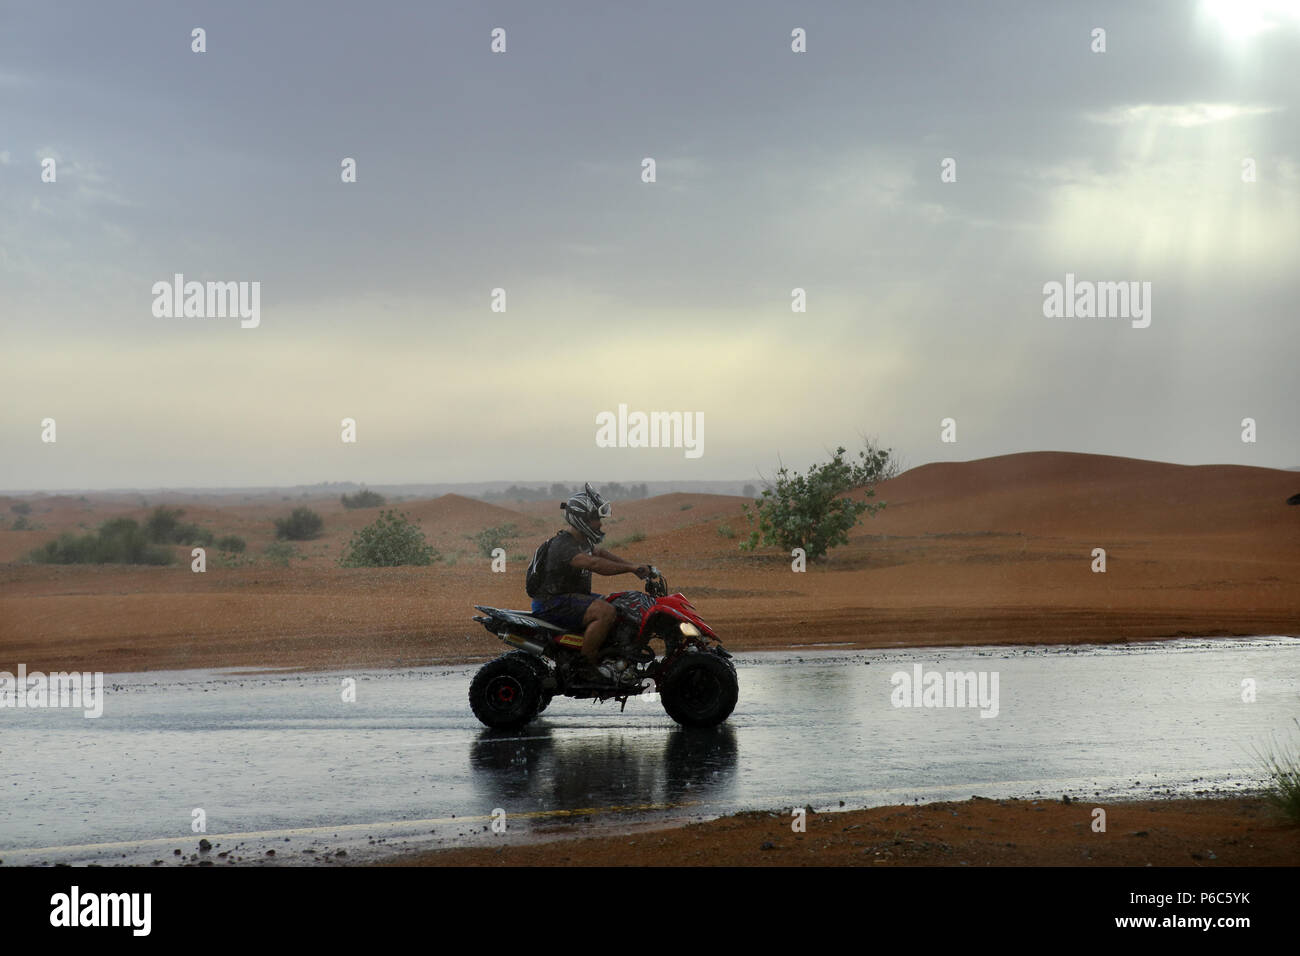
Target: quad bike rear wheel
<point x="542" y="672"/>
<point x="699" y="690"/>
<point x="505" y="693"/>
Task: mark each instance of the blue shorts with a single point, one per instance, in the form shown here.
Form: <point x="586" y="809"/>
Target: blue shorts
<point x="565" y="610"/>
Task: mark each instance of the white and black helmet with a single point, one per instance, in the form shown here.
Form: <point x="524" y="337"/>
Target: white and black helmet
<point x="581" y="508"/>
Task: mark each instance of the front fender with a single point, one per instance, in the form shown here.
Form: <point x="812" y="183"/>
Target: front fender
<point x="663" y="615"/>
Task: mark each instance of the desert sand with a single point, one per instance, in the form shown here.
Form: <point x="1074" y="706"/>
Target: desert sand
<point x="995" y="551"/>
<point x="977" y="832"/>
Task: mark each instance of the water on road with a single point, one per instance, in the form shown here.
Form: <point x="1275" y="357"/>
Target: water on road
<point x="282" y="761"/>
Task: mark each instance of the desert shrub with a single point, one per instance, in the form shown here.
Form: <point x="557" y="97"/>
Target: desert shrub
<point x="302" y="525"/>
<point x="21" y="524"/>
<point x="810" y="511"/>
<point x="365" y="498"/>
<point x="726" y="531"/>
<point x="634" y="538"/>
<point x="193" y="534"/>
<point x="160" y="527"/>
<point x="21" y="508"/>
<point x="490" y="539"/>
<point x="164" y="526"/>
<point x="279" y="553"/>
<point x="686" y="507"/>
<point x="1283" y="769"/>
<point x="232" y="544"/>
<point x="118" y="541"/>
<point x="390" y="541"/>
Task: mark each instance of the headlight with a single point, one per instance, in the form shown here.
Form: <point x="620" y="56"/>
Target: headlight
<point x="689" y="629"/>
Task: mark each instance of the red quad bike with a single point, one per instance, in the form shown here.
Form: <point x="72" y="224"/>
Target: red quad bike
<point x="693" y="675"/>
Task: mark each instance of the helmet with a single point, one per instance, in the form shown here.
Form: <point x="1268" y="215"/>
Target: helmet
<point x="581" y="508"/>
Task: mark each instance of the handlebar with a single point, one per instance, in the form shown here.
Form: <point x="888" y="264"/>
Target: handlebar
<point x="656" y="585"/>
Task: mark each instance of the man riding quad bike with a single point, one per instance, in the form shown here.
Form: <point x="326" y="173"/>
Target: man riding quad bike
<point x="578" y="644"/>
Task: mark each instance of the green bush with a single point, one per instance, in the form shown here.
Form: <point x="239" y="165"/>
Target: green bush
<point x="164" y="527"/>
<point x="1283" y="769"/>
<point x="21" y="524"/>
<point x="390" y="541"/>
<point x="686" y="507"/>
<point x="118" y="541"/>
<point x="489" y="539"/>
<point x="634" y="538"/>
<point x="810" y="511"/>
<point x="726" y="531"/>
<point x="279" y="553"/>
<point x="364" y="499"/>
<point x="302" y="525"/>
<point x="21" y="508"/>
<point x="232" y="544"/>
<point x="193" y="534"/>
<point x="160" y="527"/>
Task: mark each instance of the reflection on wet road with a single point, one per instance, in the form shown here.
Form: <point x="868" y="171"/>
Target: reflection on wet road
<point x="270" y="757"/>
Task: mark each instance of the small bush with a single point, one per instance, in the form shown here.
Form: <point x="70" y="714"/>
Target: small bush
<point x="364" y="499"/>
<point x="812" y="511"/>
<point x="164" y="527"/>
<point x="119" y="541"/>
<point x="232" y="544"/>
<point x="161" y="526"/>
<point x="687" y="507"/>
<point x="726" y="531"/>
<point x="21" y="524"/>
<point x="634" y="538"/>
<point x="279" y="553"/>
<point x="302" y="525"/>
<point x="193" y="534"/>
<point x="21" y="508"/>
<point x="1283" y="769"/>
<point x="489" y="539"/>
<point x="391" y="541"/>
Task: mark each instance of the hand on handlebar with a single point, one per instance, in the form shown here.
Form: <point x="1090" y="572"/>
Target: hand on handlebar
<point x="642" y="571"/>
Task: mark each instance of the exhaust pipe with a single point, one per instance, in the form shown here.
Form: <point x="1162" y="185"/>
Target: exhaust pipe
<point x="523" y="644"/>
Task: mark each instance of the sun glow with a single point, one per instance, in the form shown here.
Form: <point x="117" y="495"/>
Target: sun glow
<point x="1243" y="19"/>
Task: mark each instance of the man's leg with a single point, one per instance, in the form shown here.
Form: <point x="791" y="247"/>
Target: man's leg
<point x="598" y="621"/>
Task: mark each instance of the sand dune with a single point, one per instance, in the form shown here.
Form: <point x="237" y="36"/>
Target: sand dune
<point x="997" y="550"/>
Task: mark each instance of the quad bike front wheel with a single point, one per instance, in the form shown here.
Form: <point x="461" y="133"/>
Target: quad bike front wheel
<point x="505" y="693"/>
<point x="699" y="690"/>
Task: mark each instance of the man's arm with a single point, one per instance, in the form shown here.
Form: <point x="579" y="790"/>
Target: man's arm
<point x="602" y="562"/>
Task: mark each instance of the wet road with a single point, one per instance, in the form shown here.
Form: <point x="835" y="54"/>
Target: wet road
<point x="282" y="761"/>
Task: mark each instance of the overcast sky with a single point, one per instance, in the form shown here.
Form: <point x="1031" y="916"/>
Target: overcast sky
<point x="522" y="170"/>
